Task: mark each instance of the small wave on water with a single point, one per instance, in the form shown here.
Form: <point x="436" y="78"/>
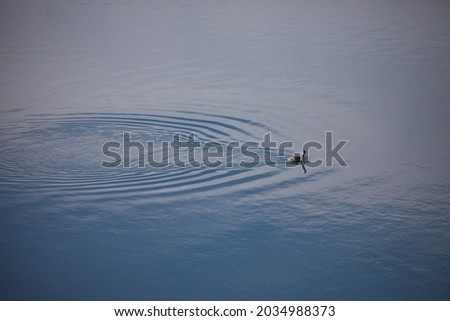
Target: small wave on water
<point x="61" y="155"/>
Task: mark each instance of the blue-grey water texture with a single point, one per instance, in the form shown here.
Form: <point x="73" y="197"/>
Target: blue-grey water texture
<point x="76" y="74"/>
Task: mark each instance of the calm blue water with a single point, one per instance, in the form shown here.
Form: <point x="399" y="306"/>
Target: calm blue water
<point x="78" y="74"/>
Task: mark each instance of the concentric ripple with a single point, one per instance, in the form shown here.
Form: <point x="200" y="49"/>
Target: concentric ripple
<point x="61" y="155"/>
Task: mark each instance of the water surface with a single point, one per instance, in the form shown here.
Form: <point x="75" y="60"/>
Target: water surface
<point x="78" y="74"/>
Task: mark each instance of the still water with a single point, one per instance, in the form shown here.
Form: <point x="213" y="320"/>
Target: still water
<point x="78" y="74"/>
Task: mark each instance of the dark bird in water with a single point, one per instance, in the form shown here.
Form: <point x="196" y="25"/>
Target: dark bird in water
<point x="298" y="159"/>
<point x="294" y="159"/>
